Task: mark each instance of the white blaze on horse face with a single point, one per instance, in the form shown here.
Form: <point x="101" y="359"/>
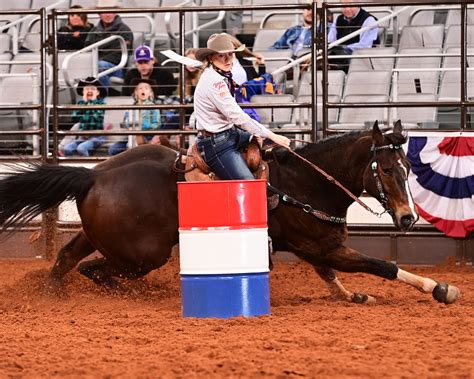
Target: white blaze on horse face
<point x="411" y="203"/>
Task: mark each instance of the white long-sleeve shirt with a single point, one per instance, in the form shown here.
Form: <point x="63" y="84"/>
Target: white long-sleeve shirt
<point x="216" y="109"/>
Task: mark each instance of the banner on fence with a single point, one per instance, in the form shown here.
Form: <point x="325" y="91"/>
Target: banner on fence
<point x="442" y="182"/>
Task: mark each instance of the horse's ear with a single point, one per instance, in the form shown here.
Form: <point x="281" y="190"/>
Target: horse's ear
<point x="377" y="136"/>
<point x="397" y="127"/>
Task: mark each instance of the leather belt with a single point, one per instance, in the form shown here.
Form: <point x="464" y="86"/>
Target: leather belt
<point x="205" y="133"/>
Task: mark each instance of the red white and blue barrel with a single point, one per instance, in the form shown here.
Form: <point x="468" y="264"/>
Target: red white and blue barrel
<point x="223" y="247"/>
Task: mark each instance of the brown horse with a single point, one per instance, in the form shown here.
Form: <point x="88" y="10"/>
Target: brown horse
<point x="128" y="208"/>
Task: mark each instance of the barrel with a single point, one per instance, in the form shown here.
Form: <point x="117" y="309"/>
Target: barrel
<point x="223" y="247"/>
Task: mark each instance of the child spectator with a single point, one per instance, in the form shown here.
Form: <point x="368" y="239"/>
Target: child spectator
<point x="147" y="119"/>
<point x="93" y="93"/>
<point x="72" y="36"/>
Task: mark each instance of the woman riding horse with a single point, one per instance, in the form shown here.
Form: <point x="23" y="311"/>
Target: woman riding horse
<point x="224" y="128"/>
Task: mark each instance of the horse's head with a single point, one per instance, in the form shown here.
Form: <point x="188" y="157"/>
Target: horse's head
<point x="386" y="177"/>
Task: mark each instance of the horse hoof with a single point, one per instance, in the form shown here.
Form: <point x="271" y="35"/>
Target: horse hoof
<point x="362" y="298"/>
<point x="444" y="293"/>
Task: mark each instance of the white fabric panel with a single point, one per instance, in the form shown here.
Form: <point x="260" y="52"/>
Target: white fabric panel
<point x="455" y="167"/>
<point x="442" y="207"/>
<point x="207" y="252"/>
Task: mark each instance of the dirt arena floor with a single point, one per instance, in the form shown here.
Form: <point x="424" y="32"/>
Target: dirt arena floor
<point x="90" y="333"/>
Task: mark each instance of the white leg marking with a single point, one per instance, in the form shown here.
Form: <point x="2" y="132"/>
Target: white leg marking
<point x="422" y="284"/>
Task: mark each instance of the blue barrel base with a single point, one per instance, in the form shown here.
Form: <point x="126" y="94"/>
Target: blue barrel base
<point x="225" y="295"/>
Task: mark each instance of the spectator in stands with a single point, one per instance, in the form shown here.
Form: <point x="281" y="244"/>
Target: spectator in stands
<point x="110" y="24"/>
<point x="297" y="37"/>
<point x="93" y="93"/>
<point x="351" y="20"/>
<point x="146" y="119"/>
<point x="72" y="36"/>
<point x="145" y="68"/>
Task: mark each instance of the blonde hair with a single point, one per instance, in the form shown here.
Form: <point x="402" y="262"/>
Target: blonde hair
<point x="152" y="93"/>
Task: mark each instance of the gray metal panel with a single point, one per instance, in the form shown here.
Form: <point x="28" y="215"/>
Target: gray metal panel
<point x="373" y="246"/>
<point x="424" y="250"/>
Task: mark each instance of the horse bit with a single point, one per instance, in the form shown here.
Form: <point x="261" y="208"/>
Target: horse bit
<point x="341" y="220"/>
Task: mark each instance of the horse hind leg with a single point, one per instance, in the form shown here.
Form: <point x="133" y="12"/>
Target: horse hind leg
<point x="68" y="257"/>
<point x="338" y="291"/>
<point x="349" y="260"/>
<point x="101" y="272"/>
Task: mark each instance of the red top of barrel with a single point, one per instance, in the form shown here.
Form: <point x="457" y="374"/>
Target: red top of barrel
<point x="233" y="204"/>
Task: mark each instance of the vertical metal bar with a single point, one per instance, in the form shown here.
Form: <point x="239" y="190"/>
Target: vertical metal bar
<point x="463" y="66"/>
<point x="55" y="102"/>
<point x="314" y="93"/>
<point x="325" y="85"/>
<point x="182" y="115"/>
<point x="43" y="120"/>
<point x="50" y="217"/>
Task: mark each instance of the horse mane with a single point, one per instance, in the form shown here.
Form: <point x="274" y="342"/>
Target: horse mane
<point x="337" y="141"/>
<point x="322" y="146"/>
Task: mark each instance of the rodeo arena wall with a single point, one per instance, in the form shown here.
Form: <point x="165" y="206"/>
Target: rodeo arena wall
<point x="420" y="73"/>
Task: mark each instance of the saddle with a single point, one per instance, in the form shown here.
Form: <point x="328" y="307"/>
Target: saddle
<point x="196" y="169"/>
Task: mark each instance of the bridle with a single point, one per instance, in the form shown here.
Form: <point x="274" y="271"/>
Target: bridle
<point x="341" y="220"/>
<point x="378" y="181"/>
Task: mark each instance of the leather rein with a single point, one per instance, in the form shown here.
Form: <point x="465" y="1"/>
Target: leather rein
<point x="340" y="220"/>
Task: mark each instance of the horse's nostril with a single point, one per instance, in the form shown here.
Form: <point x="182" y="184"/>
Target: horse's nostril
<point x="407" y="221"/>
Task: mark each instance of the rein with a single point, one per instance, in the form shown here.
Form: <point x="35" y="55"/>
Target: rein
<point x="324" y="216"/>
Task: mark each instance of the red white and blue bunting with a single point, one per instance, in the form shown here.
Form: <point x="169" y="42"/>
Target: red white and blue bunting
<point x="442" y="182"/>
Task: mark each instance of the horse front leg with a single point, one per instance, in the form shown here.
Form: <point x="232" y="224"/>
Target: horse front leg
<point x="338" y="291"/>
<point x="349" y="260"/>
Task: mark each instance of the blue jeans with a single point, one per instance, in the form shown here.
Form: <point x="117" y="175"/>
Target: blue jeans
<point x="83" y="147"/>
<point x="118" y="147"/>
<point x="105" y="80"/>
<point x="222" y="153"/>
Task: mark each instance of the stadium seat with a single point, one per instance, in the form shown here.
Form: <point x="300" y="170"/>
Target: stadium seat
<point x="368" y="83"/>
<point x="414" y="81"/>
<point x="372" y="63"/>
<point x="453" y="36"/>
<point x="265" y="38"/>
<point x="420" y="117"/>
<point x="336" y="80"/>
<point x="273" y="117"/>
<point x="421" y="36"/>
<point x="361" y="117"/>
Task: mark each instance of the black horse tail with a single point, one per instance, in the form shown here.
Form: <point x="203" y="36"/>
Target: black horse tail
<point x="31" y="190"/>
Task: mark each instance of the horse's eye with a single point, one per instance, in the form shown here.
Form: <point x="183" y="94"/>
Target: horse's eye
<point x="387" y="170"/>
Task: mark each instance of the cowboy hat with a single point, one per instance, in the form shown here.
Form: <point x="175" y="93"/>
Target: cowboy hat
<point x="109" y="4"/>
<point x="91" y="81"/>
<point x="217" y="43"/>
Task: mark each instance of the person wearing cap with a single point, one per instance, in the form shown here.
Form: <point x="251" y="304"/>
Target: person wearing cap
<point x="147" y="119"/>
<point x="224" y="128"/>
<point x="72" y="36"/>
<point x="93" y="93"/>
<point x="145" y="69"/>
<point x="110" y="24"/>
